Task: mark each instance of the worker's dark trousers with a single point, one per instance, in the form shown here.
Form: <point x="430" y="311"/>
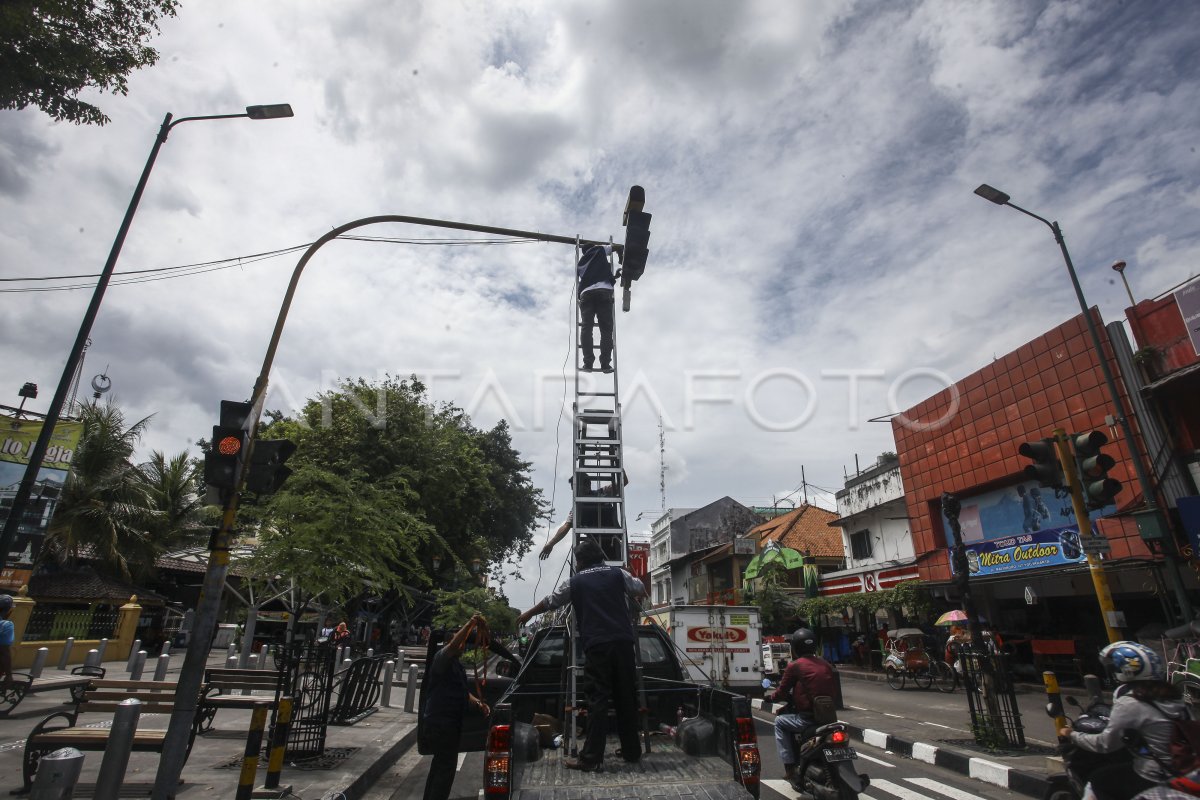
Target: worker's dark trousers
<point x="611" y="670"/>
<point x="441" y="739"/>
<point x="596" y="306"/>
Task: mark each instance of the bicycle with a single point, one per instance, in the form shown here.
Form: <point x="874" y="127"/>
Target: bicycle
<point x="907" y="659"/>
<point x="1183" y="667"/>
<point x="945" y="676"/>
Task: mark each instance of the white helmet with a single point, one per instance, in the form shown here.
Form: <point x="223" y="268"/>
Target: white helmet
<point x="1130" y="661"/>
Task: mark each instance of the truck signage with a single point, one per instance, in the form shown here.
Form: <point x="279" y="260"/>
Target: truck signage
<point x="728" y="635"/>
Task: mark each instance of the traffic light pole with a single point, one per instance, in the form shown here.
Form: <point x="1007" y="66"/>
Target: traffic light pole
<point x="1108" y="611"/>
<point x="191" y="675"/>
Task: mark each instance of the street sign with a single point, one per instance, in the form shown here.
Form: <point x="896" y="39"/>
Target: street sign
<point x="1095" y="545"/>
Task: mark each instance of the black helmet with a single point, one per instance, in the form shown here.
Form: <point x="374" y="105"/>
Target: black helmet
<point x="804" y="642"/>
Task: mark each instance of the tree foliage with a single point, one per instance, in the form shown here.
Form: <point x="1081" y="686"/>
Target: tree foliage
<point x="455" y="607"/>
<point x="777" y="607"/>
<point x="910" y="595"/>
<point x="51" y="50"/>
<point x="385" y="480"/>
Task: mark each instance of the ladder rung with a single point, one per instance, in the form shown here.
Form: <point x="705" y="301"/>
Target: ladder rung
<point x="611" y="531"/>
<point x="598" y="470"/>
<point x="600" y="500"/>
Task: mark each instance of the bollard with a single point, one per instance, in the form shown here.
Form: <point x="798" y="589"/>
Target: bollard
<point x="57" y="775"/>
<point x="410" y="688"/>
<point x="253" y="662"/>
<point x="160" y="669"/>
<point x="1054" y="700"/>
<point x="346" y="664"/>
<point x="39" y="662"/>
<point x="120" y="744"/>
<point x="139" y="664"/>
<point x="93" y="658"/>
<point x="263" y="652"/>
<point x="65" y="658"/>
<point x="166" y="648"/>
<point x="231" y="662"/>
<point x="370" y="652"/>
<point x="386" y="700"/>
<point x="133" y="651"/>
<point x="278" y="745"/>
<point x="1094" y="688"/>
<point x="100" y="649"/>
<point x="258" y="721"/>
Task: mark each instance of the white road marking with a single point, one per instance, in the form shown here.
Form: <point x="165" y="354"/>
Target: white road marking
<point x="897" y="716"/>
<point x="941" y="788"/>
<point x="903" y="792"/>
<point x="874" y="760"/>
<point x="461" y="758"/>
<point x="938" y="724"/>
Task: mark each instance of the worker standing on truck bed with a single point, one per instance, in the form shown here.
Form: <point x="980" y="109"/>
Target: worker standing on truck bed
<point x="597" y="593"/>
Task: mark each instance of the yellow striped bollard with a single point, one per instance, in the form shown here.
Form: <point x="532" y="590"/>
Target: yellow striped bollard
<point x="258" y="721"/>
<point x="279" y="738"/>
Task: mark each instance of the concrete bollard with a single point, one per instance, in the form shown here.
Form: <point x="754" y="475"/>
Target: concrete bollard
<point x="101" y="648"/>
<point x="57" y="775"/>
<point x="388" y="667"/>
<point x="370" y="652"/>
<point x="65" y="658"/>
<point x="253" y="662"/>
<point x="231" y="661"/>
<point x="93" y="658"/>
<point x="400" y="660"/>
<point x="346" y="664"/>
<point x="410" y="688"/>
<point x="39" y="662"/>
<point x="139" y="664"/>
<point x="263" y="661"/>
<point x="120" y="744"/>
<point x="160" y="669"/>
<point x="133" y="651"/>
<point x="166" y="649"/>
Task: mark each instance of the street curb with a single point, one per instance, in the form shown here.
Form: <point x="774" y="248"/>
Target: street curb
<point x="974" y="767"/>
<point x="358" y="788"/>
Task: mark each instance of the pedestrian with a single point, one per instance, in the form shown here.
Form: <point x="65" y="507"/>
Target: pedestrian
<point x="8" y="635"/>
<point x="598" y="593"/>
<point x="806" y="678"/>
<point x="341" y="634"/>
<point x="595" y="286"/>
<point x="442" y="710"/>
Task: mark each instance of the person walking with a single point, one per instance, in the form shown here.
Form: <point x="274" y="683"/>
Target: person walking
<point x="443" y="709"/>
<point x="596" y="286"/>
<point x="597" y="592"/>
<point x="8" y="635"/>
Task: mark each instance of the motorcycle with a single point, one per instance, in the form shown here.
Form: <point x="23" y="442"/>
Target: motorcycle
<point x="825" y="760"/>
<point x="1078" y="762"/>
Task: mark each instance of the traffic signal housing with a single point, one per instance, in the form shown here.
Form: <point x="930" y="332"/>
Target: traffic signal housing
<point x="226" y="453"/>
<point x="1046" y="468"/>
<point x="1099" y="490"/>
<point x="637" y="237"/>
<point x="267" y="471"/>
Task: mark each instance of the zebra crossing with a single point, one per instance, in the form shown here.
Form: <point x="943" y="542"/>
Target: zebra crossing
<point x="899" y="789"/>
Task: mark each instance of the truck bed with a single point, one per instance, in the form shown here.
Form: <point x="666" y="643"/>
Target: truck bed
<point x="664" y="772"/>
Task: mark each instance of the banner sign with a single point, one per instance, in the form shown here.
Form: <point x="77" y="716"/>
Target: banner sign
<point x="1188" y="300"/>
<point x="1015" y="510"/>
<point x="1051" y="547"/>
<point x="17" y="437"/>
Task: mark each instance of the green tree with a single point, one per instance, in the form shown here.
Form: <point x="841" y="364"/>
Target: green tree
<point x="106" y="510"/>
<point x="455" y="607"/>
<point x="51" y="50"/>
<point x="175" y="487"/>
<point x="777" y="607"/>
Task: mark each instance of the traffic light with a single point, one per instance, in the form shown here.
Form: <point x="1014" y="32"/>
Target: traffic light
<point x="1046" y="469"/>
<point x="637" y="237"/>
<point x="267" y="472"/>
<point x="223" y="464"/>
<point x="1099" y="490"/>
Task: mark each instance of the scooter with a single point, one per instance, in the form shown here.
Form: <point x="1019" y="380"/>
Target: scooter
<point x="824" y="761"/>
<point x="1080" y="763"/>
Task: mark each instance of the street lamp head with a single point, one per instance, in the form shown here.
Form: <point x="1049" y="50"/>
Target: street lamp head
<point x="991" y="193"/>
<point x="28" y="390"/>
<point x="276" y="111"/>
<point x="1119" y="267"/>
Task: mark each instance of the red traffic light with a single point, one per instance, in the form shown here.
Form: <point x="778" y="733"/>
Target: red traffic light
<point x="230" y="445"/>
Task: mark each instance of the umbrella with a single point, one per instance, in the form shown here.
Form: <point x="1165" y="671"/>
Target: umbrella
<point x="791" y="560"/>
<point x="951" y="616"/>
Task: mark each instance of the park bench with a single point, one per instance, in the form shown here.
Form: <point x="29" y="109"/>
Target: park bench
<point x="100" y="697"/>
<point x="224" y="687"/>
<point x="25" y="684"/>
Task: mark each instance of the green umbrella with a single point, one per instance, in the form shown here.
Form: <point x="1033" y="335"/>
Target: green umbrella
<point x="791" y="559"/>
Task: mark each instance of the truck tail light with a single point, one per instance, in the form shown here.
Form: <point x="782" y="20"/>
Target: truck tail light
<point x="496" y="761"/>
<point x="749" y="763"/>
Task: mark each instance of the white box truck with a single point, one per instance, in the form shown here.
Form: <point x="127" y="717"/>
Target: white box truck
<point x="720" y="645"/>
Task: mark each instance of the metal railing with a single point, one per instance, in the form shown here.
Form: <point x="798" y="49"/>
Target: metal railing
<point x="54" y="622"/>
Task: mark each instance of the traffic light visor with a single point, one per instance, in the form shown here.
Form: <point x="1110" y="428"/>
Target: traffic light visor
<point x="229" y="445"/>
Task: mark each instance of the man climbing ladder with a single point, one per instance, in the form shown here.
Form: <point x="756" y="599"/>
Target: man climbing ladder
<point x="596" y="283"/>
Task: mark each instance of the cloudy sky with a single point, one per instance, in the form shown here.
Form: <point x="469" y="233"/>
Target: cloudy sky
<point x="810" y="168"/>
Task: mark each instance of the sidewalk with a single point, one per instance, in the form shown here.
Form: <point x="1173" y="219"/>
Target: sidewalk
<point x="356" y="755"/>
<point x="934" y="727"/>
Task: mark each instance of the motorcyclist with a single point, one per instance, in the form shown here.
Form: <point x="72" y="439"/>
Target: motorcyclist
<point x="807" y="676"/>
<point x="1144" y="702"/>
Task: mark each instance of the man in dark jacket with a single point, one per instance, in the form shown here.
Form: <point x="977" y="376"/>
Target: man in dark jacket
<point x="448" y="697"/>
<point x="596" y="285"/>
<point x="807" y="676"/>
<point x="598" y="593"/>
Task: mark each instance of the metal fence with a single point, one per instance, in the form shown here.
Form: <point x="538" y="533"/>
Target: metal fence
<point x="992" y="698"/>
<point x="54" y="622"/>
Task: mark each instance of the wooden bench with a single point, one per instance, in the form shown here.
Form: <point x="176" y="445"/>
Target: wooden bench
<point x="24" y="684"/>
<point x="100" y="697"/>
<point x="224" y="687"/>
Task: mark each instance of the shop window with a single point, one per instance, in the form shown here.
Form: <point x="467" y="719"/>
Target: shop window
<point x="860" y="544"/>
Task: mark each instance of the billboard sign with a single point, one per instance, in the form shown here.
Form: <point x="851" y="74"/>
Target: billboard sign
<point x="1188" y="300"/>
<point x="1049" y="547"/>
<point x="17" y="438"/>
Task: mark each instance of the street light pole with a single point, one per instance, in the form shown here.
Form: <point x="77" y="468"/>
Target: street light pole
<point x="38" y="454"/>
<point x="1000" y="198"/>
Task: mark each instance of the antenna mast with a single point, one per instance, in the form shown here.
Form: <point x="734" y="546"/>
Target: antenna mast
<point x="662" y="465"/>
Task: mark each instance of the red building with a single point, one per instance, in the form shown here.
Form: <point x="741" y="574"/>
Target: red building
<point x="1029" y="575"/>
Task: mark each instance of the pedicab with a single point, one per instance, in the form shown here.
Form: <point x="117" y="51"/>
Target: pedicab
<point x="907" y="659"/>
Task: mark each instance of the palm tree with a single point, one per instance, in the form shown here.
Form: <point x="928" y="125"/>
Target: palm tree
<point x="174" y="488"/>
<point x="107" y="510"/>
